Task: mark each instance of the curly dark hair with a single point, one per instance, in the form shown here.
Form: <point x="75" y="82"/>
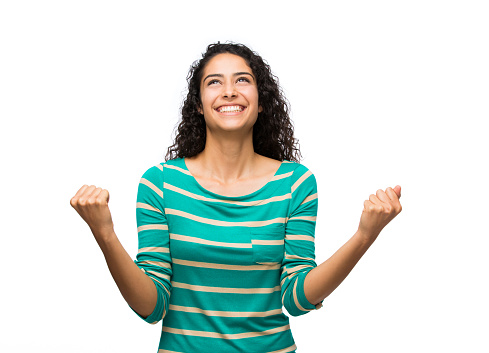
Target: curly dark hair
<point x="273" y="133"/>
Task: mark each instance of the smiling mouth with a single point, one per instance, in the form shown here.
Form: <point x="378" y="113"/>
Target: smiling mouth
<point x="231" y="109"/>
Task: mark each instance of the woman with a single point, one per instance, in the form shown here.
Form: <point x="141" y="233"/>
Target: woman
<point x="226" y="224"/>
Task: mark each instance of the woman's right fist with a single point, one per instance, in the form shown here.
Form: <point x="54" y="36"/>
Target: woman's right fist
<point x="92" y="204"/>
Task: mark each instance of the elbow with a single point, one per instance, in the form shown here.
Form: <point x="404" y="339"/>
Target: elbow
<point x="158" y="308"/>
<point x="294" y="308"/>
<point x="294" y="299"/>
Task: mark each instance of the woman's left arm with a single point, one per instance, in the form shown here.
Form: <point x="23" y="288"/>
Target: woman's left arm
<point x="378" y="211"/>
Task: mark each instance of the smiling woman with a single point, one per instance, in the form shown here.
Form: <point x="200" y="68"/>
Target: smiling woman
<point x="226" y="224"/>
<point x="273" y="134"/>
<point x="229" y="96"/>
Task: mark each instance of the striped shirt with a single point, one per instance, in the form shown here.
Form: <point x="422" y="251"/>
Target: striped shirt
<point x="224" y="266"/>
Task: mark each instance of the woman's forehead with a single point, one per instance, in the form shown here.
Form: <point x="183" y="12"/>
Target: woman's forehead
<point x="226" y="63"/>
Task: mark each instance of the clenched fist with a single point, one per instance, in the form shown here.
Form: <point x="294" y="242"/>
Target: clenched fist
<point x="379" y="210"/>
<point x="91" y="203"/>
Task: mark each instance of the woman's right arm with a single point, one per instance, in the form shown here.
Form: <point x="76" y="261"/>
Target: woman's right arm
<point x="136" y="287"/>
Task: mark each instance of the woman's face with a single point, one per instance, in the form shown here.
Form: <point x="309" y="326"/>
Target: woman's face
<point x="229" y="94"/>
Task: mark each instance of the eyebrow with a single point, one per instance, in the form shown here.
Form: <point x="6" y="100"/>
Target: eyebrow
<point x="235" y="74"/>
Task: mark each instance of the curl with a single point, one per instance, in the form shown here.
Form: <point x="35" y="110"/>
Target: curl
<point x="273" y="132"/>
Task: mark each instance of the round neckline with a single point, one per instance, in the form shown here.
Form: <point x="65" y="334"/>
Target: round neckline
<point x="240" y="197"/>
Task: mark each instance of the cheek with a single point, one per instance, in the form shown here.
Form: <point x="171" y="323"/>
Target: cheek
<point x="204" y="103"/>
<point x="251" y="95"/>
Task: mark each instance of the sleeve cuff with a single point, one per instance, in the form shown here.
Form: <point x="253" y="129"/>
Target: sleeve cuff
<point x="301" y="296"/>
<point x="156" y="315"/>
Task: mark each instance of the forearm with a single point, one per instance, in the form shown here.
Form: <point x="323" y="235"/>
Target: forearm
<point x="325" y="278"/>
<point x="136" y="287"/>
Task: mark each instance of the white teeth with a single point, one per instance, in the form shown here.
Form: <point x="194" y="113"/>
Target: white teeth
<point x="230" y="109"/>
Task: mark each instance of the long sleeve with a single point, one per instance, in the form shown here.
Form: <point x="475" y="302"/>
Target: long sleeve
<point x="154" y="256"/>
<point x="299" y="256"/>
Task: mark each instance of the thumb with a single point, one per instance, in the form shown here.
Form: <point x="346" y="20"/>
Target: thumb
<point x="397" y="190"/>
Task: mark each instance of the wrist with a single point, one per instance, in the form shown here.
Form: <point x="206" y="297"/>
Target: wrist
<point x="104" y="236"/>
<point x="366" y="237"/>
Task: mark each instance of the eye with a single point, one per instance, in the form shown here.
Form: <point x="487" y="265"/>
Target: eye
<point x="211" y="82"/>
<point x="243" y="79"/>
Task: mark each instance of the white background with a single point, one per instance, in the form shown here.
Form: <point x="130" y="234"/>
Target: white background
<point x="382" y="93"/>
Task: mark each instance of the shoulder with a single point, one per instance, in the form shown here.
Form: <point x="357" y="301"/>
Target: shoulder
<point x="298" y="170"/>
<point x="163" y="168"/>
<point x="301" y="177"/>
<point x="154" y="178"/>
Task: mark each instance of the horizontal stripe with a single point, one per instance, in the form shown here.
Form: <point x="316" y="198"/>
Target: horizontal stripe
<point x="151" y="186"/>
<point x="153" y="226"/>
<point x="215" y="222"/>
<point x="228" y="336"/>
<point x="174" y="167"/>
<point x="225" y="289"/>
<point x="159" y="275"/>
<point x="154" y="249"/>
<point x="224" y="266"/>
<point x="282" y="176"/>
<point x="301" y="180"/>
<point x="299" y="237"/>
<point x="210" y="242"/>
<point x="238" y="203"/>
<point x="276" y="199"/>
<point x="267" y="242"/>
<point x="294" y="269"/>
<point x="189" y="309"/>
<point x="297" y="257"/>
<point x="147" y="207"/>
<point x="304" y="218"/>
<point x="156" y="263"/>
<point x="309" y="198"/>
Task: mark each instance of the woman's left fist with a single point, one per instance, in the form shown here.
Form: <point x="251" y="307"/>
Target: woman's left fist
<point x="379" y="210"/>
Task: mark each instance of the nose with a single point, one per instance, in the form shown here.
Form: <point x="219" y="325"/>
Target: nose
<point x="229" y="91"/>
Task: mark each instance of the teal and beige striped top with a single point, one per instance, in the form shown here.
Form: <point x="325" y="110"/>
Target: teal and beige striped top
<point x="224" y="266"/>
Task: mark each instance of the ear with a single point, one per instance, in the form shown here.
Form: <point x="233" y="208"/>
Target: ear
<point x="200" y="110"/>
<point x="260" y="109"/>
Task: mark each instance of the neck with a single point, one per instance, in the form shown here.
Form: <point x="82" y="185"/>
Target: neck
<point x="227" y="158"/>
